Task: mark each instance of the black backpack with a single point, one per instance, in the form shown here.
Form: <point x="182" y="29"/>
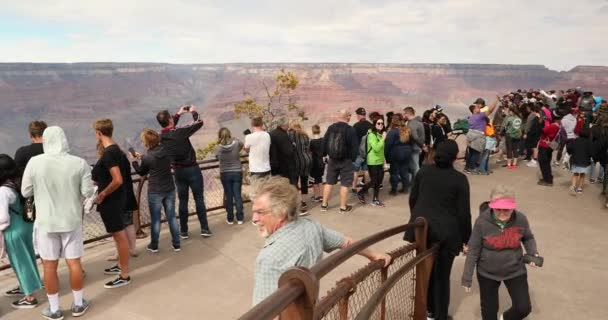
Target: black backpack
<point x="337" y="148"/>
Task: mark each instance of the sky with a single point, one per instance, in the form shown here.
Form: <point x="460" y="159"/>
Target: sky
<point x="556" y="33"/>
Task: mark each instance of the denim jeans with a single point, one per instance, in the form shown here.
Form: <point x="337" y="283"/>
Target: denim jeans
<point x="156" y="202"/>
<point x="399" y="171"/>
<point x="232" y="182"/>
<point x="472" y="158"/>
<point x="185" y="179"/>
<point x="415" y="162"/>
<point x="484" y="161"/>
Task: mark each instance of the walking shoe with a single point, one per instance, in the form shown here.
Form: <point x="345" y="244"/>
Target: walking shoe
<point x="573" y="190"/>
<point x="112" y="270"/>
<point x="78" y="311"/>
<point x="532" y="164"/>
<point x="239" y="222"/>
<point x="206" y="233"/>
<point x="151" y="248"/>
<point x="324" y="208"/>
<point x="184" y="235"/>
<point x="47" y="314"/>
<point x="361" y="197"/>
<point x="303" y="205"/>
<point x="24" y="304"/>
<point x="303" y="212"/>
<point x="14" y="292"/>
<point x="392" y="192"/>
<point x="579" y="191"/>
<point x="377" y="203"/>
<point x="544" y="183"/>
<point x="117" y="283"/>
<point x="317" y="199"/>
<point x="346" y="210"/>
<point x="177" y="248"/>
<point x="591" y="181"/>
<point x="229" y="222"/>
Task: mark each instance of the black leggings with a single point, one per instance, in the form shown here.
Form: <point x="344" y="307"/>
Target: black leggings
<point x="512" y="146"/>
<point x="376" y="174"/>
<point x="303" y="184"/>
<point x="518" y="290"/>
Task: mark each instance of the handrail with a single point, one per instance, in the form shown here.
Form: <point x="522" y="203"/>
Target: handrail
<point x="274" y="304"/>
<point x="370" y="307"/>
<point x="330" y="263"/>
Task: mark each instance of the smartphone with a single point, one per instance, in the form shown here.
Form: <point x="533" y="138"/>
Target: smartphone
<point x="538" y="261"/>
<point x="187" y="108"/>
<point x="132" y="151"/>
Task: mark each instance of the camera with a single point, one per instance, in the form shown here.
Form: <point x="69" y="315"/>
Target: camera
<point x="187" y="108"/>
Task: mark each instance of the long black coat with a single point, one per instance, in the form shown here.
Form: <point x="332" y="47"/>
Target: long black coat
<point x="282" y="153"/>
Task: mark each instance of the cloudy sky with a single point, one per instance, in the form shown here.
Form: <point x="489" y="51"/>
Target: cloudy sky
<point x="557" y="33"/>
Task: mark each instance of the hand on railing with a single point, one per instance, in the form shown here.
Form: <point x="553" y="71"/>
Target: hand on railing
<point x="381" y="256"/>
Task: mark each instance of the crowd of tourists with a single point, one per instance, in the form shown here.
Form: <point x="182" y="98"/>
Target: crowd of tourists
<point x="45" y="190"/>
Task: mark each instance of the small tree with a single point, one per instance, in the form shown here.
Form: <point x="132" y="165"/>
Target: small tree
<point x="280" y="101"/>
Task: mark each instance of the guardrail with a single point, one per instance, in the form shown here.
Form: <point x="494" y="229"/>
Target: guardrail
<point x="397" y="291"/>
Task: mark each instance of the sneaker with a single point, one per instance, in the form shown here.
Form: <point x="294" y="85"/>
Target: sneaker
<point x="23" y="303"/>
<point x="229" y="222"/>
<point x="151" y="248"/>
<point x="579" y="191"/>
<point x="532" y="164"/>
<point x="303" y="205"/>
<point x="393" y="193"/>
<point x="591" y="181"/>
<point x="47" y="314"/>
<point x="346" y="210"/>
<point x="573" y="190"/>
<point x="361" y="197"/>
<point x="112" y="270"/>
<point x="324" y="208"/>
<point x="14" y="292"/>
<point x="239" y="222"/>
<point x="303" y="212"/>
<point x="317" y="199"/>
<point x="483" y="173"/>
<point x="206" y="233"/>
<point x="377" y="203"/>
<point x="117" y="283"/>
<point x="177" y="248"/>
<point x="544" y="183"/>
<point x="184" y="235"/>
<point x="78" y="311"/>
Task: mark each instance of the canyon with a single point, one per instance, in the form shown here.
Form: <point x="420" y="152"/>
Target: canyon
<point x="74" y="95"/>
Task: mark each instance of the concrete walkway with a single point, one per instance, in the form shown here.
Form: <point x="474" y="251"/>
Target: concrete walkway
<point x="212" y="278"/>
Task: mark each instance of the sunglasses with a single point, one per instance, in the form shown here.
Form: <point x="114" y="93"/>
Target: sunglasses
<point x="380" y="123"/>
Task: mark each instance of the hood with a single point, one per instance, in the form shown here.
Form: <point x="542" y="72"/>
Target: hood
<point x="227" y="147"/>
<point x="157" y="152"/>
<point x="54" y="141"/>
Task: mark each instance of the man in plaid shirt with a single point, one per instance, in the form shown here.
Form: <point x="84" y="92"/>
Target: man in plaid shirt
<point x="290" y="240"/>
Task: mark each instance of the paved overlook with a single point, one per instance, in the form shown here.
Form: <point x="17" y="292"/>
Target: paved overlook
<point x="213" y="278"/>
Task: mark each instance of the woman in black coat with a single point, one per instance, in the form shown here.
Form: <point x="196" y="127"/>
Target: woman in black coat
<point x="440" y="194"/>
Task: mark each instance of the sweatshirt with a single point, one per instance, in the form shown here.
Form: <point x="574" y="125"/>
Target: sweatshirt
<point x="157" y="164"/>
<point x="417" y="130"/>
<point x="580" y="151"/>
<point x="60" y="182"/>
<point x="375" y="147"/>
<point x="229" y="156"/>
<point x="497" y="252"/>
<point x="176" y="142"/>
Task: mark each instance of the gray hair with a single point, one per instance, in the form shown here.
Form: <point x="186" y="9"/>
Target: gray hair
<point x="282" y="197"/>
<point x="344" y="114"/>
<point x="502" y="191"/>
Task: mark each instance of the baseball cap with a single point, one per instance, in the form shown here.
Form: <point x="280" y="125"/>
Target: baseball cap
<point x="503" y="203"/>
<point x="480" y="101"/>
<point x="438" y="108"/>
<point x="360" y="111"/>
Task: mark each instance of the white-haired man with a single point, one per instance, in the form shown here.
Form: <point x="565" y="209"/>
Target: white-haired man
<point x="290" y="240"/>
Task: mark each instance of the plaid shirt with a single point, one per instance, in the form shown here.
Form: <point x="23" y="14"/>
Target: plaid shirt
<point x="298" y="243"/>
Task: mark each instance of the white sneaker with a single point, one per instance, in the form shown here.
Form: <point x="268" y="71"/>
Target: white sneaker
<point x="501" y="317"/>
<point x="532" y="164"/>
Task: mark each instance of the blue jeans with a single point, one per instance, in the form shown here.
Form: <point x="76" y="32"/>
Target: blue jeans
<point x="472" y="158"/>
<point x="232" y="182"/>
<point x="190" y="178"/>
<point x="415" y="162"/>
<point x="399" y="171"/>
<point x="157" y="201"/>
<point x="484" y="161"/>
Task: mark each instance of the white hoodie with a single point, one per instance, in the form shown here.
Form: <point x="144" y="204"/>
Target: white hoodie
<point x="59" y="182"/>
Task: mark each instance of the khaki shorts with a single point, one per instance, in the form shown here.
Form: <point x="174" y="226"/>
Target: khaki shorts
<point x="57" y="245"/>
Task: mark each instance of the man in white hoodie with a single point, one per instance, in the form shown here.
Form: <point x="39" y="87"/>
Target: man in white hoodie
<point x="60" y="182"/>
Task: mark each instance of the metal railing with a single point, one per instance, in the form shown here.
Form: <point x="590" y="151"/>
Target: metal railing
<point x="397" y="291"/>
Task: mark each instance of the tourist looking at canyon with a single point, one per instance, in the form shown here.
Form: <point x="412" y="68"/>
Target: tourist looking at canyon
<point x="228" y="153"/>
<point x="361" y="127"/>
<point x="257" y="144"/>
<point x="418" y="134"/>
<point x="188" y="176"/>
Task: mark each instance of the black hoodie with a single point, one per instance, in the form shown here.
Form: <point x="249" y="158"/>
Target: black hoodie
<point x="158" y="164"/>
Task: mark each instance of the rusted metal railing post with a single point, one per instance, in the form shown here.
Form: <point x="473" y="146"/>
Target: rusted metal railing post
<point x="423" y="271"/>
<point x="302" y="308"/>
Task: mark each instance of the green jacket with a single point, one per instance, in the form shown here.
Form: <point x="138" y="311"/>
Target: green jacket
<point x="513" y="126"/>
<point x="375" y="147"/>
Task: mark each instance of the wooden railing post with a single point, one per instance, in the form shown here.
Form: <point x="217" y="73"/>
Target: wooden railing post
<point x="302" y="308"/>
<point x="423" y="271"/>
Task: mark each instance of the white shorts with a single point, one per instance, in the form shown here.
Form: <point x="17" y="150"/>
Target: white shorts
<point x="57" y="245"/>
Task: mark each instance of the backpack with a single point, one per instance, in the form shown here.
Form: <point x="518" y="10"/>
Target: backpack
<point x="461" y="124"/>
<point x="29" y="209"/>
<point x="363" y="149"/>
<point x="337" y="148"/>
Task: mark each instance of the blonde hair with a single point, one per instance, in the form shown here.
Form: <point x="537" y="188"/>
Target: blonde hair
<point x="282" y="197"/>
<point x="296" y="127"/>
<point x="224" y="136"/>
<point x="502" y="191"/>
<point x="404" y="131"/>
<point x="105" y="126"/>
<point x="149" y="138"/>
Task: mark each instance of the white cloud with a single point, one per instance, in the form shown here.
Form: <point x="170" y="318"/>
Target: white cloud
<point x="555" y="33"/>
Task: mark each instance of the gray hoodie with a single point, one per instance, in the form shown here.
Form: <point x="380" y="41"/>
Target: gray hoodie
<point x="60" y="182"/>
<point x="497" y="253"/>
<point x="417" y="131"/>
<point x="229" y="156"/>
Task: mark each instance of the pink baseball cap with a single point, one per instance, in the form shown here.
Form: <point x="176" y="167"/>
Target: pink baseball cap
<point x="503" y="203"/>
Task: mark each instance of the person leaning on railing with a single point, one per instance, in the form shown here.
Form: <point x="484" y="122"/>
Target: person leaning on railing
<point x="495" y="249"/>
<point x="161" y="188"/>
<point x="228" y="153"/>
<point x="290" y="240"/>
